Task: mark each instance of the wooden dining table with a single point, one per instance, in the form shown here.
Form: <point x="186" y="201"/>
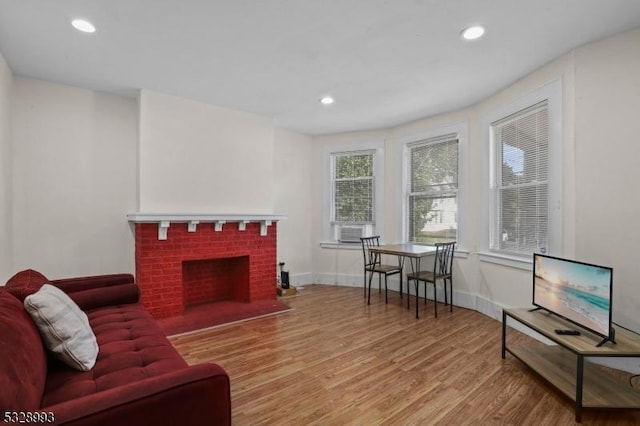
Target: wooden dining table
<point x="412" y="251"/>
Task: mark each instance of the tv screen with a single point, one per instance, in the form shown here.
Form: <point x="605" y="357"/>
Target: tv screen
<point x="577" y="291"/>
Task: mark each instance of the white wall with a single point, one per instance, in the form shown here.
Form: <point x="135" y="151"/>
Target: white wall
<point x="607" y="173"/>
<point x="195" y="157"/>
<point x="200" y="158"/>
<point x="6" y="235"/>
<point x="506" y="286"/>
<point x="293" y="195"/>
<point x="465" y="267"/>
<point x="335" y="266"/>
<point x="74" y="162"/>
<point x="82" y="160"/>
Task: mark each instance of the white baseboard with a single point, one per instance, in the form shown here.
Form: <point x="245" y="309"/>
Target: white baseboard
<point x="300" y="280"/>
<point x="462" y="299"/>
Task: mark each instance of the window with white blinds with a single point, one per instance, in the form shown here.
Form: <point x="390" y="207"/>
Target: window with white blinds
<point x="353" y="182"/>
<point x="520" y="214"/>
<point x="432" y="195"/>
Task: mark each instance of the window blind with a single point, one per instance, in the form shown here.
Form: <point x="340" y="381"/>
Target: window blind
<point x="433" y="188"/>
<point x="353" y="188"/>
<point x="521" y="214"/>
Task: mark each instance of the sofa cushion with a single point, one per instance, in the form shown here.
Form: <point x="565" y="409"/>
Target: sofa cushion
<point x="132" y="347"/>
<point x="23" y="371"/>
<point x="25" y="283"/>
<point x="63" y="326"/>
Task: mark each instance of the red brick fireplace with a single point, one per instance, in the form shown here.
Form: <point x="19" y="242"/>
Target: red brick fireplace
<point x="186" y="261"/>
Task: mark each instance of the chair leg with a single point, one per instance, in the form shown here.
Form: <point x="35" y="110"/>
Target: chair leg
<point x="400" y="285"/>
<point x="364" y="284"/>
<point x="379" y="283"/>
<point x="446" y="299"/>
<point x="435" y="300"/>
<point x="369" y="294"/>
<point x="417" y="298"/>
<point x="386" y="298"/>
<point x="450" y="294"/>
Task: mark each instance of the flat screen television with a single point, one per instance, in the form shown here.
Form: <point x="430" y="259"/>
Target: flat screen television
<point x="577" y="291"/>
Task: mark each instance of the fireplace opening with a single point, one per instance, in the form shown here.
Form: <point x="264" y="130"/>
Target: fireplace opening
<point x="215" y="280"/>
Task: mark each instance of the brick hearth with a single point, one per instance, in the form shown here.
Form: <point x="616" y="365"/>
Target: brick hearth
<point x="204" y="265"/>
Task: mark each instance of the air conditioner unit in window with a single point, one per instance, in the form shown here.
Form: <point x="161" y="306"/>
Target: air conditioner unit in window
<point x="351" y="234"/>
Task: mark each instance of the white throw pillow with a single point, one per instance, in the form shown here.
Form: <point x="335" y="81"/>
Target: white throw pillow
<point x="64" y="327"/>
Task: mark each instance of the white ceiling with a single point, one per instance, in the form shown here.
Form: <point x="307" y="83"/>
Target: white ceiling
<point x="385" y="61"/>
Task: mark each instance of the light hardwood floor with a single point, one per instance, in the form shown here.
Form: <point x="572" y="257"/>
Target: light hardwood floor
<point x="333" y="360"/>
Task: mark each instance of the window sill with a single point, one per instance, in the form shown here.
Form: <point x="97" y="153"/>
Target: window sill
<point x="506" y="260"/>
<point x="461" y="254"/>
<point x="341" y="246"/>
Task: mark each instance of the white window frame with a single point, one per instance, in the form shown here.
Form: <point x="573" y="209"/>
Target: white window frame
<point x="404" y="152"/>
<point x="329" y="227"/>
<point x="552" y="93"/>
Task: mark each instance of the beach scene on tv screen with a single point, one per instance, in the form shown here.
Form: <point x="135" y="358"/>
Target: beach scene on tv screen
<point x="577" y="292"/>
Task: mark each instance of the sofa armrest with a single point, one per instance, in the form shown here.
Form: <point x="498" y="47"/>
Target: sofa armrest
<point x="69" y="285"/>
<point x="196" y="395"/>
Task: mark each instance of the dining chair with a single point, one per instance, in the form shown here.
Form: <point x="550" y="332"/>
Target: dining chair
<point x="373" y="265"/>
<point x="442" y="270"/>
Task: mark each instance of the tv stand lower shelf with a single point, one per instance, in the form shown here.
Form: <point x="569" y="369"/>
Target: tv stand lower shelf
<point x="566" y="364"/>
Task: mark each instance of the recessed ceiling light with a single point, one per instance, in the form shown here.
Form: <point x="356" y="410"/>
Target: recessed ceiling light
<point x="327" y="100"/>
<point x="472" y="33"/>
<point x="84" y="26"/>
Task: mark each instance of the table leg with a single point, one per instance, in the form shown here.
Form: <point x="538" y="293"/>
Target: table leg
<point x="413" y="270"/>
<point x="579" y="380"/>
<point x="401" y="265"/>
<point x="417" y="285"/>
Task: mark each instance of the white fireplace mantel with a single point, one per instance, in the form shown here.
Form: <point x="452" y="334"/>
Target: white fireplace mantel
<point x="164" y="220"/>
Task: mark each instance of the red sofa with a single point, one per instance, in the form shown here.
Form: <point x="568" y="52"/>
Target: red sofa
<point x="138" y="378"/>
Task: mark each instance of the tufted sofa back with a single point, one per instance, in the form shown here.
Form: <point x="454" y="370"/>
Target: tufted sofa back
<point x="23" y="359"/>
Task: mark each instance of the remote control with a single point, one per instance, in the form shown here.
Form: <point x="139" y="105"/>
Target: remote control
<point x="568" y="332"/>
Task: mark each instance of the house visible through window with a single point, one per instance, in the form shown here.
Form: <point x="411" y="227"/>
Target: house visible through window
<point x="520" y="212"/>
<point x="432" y="196"/>
<point x="353" y="188"/>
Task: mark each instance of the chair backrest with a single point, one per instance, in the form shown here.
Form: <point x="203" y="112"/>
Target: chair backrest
<point x="443" y="261"/>
<point x="370" y="258"/>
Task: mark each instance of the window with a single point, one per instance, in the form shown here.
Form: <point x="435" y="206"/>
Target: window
<point x="352" y="193"/>
<point x="522" y="200"/>
<point x="353" y="188"/>
<point x="432" y="193"/>
<point x="520" y="184"/>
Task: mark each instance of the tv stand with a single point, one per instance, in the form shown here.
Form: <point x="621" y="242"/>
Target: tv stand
<point x="566" y="366"/>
